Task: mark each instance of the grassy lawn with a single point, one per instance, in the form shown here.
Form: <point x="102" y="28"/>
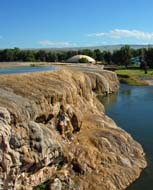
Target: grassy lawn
<point x="133" y="76"/>
<point x="134" y="72"/>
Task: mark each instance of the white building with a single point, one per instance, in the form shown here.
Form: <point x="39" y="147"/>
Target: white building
<point x="76" y="59"/>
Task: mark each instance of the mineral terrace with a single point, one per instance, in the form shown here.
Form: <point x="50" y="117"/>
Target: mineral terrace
<point x="92" y="153"/>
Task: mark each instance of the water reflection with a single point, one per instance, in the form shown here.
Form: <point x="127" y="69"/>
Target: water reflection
<point x="108" y="100"/>
<point x="132" y="109"/>
<point x="126" y="92"/>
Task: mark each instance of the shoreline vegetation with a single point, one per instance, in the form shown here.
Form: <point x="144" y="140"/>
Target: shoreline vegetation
<point x="132" y="75"/>
<point x="135" y="77"/>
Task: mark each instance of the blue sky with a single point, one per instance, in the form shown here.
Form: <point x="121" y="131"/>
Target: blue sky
<point x="69" y="23"/>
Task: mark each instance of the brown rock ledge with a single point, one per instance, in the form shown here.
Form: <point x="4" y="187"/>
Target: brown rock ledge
<point x="98" y="156"/>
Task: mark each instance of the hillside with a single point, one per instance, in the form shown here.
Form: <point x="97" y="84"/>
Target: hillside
<point x="102" y="48"/>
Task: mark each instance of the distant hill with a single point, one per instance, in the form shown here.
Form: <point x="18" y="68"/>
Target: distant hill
<point x="102" y="48"/>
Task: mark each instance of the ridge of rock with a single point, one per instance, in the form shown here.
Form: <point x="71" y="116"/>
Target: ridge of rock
<point x="97" y="155"/>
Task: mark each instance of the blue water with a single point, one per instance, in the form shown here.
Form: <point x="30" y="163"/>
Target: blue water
<point x="26" y="69"/>
<point x="132" y="109"/>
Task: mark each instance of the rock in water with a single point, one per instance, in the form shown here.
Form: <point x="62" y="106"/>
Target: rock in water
<point x="93" y="153"/>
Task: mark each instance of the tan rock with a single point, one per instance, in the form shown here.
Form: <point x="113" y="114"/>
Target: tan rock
<point x="98" y="156"/>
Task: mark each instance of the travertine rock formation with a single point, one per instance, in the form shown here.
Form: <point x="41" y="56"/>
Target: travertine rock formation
<point x="33" y="109"/>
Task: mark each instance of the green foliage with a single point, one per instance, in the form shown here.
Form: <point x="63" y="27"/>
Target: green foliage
<point x="126" y="55"/>
<point x="98" y="55"/>
<point x="116" y="58"/>
<point x="133" y="76"/>
<point x="41" y="55"/>
<point x="122" y="56"/>
<point x="83" y="60"/>
<point x="149" y="57"/>
<point x="43" y="186"/>
<point x="107" y="57"/>
<point x="88" y="52"/>
<point x="134" y="72"/>
<point x="28" y="56"/>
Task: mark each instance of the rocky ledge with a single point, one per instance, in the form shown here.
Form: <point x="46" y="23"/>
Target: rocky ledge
<point x="54" y="133"/>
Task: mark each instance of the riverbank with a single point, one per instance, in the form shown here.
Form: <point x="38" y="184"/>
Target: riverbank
<point x="135" y="77"/>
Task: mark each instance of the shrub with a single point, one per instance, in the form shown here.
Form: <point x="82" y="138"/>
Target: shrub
<point x="83" y="60"/>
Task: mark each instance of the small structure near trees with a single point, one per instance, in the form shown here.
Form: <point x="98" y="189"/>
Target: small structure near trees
<point x="81" y="59"/>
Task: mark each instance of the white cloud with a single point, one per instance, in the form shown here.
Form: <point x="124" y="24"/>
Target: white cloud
<point x="123" y="33"/>
<point x="56" y="44"/>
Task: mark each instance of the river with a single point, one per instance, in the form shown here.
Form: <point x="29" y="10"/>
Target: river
<point x="132" y="110"/>
<point x="26" y="69"/>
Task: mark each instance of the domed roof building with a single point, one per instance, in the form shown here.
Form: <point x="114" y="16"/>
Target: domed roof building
<point x="77" y="59"/>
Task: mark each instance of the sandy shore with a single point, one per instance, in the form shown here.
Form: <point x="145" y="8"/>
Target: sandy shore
<point x="149" y="82"/>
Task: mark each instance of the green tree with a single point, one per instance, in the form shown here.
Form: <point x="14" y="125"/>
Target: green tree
<point x="126" y="55"/>
<point x="69" y="54"/>
<point x="41" y="55"/>
<point x="88" y="52"/>
<point x="28" y="55"/>
<point x="51" y="57"/>
<point x="148" y="56"/>
<point x="98" y="55"/>
<point x="7" y="55"/>
<point x="61" y="56"/>
<point x="122" y="56"/>
<point x="116" y="57"/>
<point x="107" y="57"/>
<point x="16" y="52"/>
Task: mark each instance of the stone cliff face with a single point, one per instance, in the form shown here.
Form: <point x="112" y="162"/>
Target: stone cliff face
<point x="53" y="130"/>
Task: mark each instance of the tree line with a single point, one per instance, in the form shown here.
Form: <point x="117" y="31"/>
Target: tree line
<point x="123" y="56"/>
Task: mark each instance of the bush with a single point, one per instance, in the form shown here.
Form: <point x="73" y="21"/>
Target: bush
<point x="83" y="60"/>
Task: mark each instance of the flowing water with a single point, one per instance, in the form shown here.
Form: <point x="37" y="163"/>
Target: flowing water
<point x="132" y="110"/>
<point x="26" y="69"/>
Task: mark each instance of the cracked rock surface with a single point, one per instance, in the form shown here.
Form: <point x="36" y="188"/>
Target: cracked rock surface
<point x="96" y="154"/>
